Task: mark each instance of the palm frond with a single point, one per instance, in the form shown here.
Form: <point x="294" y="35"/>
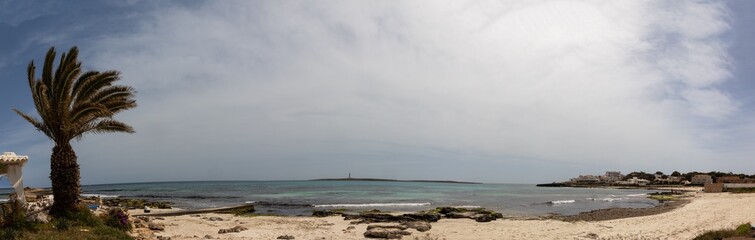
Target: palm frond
<point x="93" y="84"/>
<point x="84" y="113"/>
<point x="104" y="126"/>
<point x="34" y="122"/>
<point x="71" y="103"/>
<point x="47" y="67"/>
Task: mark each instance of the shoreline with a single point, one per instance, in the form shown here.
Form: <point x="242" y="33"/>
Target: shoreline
<point x="620" y="213"/>
<point x="393" y="180"/>
<point x="701" y="212"/>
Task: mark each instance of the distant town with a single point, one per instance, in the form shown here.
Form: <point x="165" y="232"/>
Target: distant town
<point x="711" y="181"/>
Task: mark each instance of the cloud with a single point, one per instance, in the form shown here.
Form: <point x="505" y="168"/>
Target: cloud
<point x="281" y="90"/>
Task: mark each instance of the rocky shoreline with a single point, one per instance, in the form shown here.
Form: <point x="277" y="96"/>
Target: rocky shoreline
<point x="618" y="213"/>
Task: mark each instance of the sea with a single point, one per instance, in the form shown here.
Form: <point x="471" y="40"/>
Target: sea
<point x="300" y="198"/>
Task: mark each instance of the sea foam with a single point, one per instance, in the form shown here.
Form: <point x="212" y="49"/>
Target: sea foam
<point x="562" y="201"/>
<point x="360" y="205"/>
<point x="99" y="195"/>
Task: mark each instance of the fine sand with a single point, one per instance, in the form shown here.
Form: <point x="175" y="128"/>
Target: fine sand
<point x="705" y="211"/>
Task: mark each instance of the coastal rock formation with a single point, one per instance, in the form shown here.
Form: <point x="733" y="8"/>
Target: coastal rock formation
<point x="232" y="230"/>
<point x="326" y="213"/>
<point x="135" y="203"/>
<point x="478" y="214"/>
<point x="400" y="227"/>
<point x="385" y="232"/>
<point x="371" y="217"/>
<point x="419" y="226"/>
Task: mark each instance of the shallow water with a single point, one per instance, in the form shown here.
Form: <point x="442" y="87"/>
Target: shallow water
<point x="301" y="197"/>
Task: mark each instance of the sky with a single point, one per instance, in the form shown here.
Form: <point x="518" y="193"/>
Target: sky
<point x="500" y="91"/>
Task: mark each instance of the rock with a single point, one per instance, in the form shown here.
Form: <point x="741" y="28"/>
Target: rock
<point x="157" y="226"/>
<point x="240" y="211"/>
<point x="159" y="218"/>
<point x="370" y="217"/>
<point x="163" y="238"/>
<point x="386" y="233"/>
<point x="400" y="227"/>
<point x="447" y="210"/>
<point x="215" y="219"/>
<point x="139" y="225"/>
<point x="483" y="217"/>
<point x="460" y="214"/>
<point x="497" y="215"/>
<point x="325" y="213"/>
<point x="422" y="216"/>
<point x="232" y="230"/>
<point x="147" y="209"/>
<point x="38" y="217"/>
<point x="286" y="237"/>
<point x="197" y="215"/>
<point x="419" y="226"/>
<point x="350" y="228"/>
<point x="134" y="203"/>
<point x="207" y="237"/>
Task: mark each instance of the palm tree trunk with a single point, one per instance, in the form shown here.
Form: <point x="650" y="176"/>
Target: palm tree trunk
<point x="64" y="174"/>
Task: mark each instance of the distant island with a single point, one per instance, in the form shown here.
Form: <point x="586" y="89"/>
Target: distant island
<point x="391" y="180"/>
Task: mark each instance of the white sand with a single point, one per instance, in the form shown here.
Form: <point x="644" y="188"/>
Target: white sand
<point x="707" y="211"/>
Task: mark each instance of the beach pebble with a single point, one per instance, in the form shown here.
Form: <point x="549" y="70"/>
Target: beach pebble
<point x="215" y="219"/>
<point x="207" y="237"/>
<point x="157" y="226"/>
<point x="232" y="230"/>
<point x="286" y="237"/>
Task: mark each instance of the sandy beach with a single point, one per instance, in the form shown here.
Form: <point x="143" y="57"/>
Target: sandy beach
<point x="705" y="211"/>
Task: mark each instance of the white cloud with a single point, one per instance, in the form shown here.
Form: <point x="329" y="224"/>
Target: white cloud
<point x="258" y="85"/>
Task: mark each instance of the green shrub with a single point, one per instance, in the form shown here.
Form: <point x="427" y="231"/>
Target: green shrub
<point x="81" y="217"/>
<point x="741" y="231"/>
<point x="13" y="219"/>
<point x="744" y="229"/>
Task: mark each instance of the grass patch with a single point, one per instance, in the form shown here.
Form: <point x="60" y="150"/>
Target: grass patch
<point x="744" y="230"/>
<point x="49" y="231"/>
<point x="81" y="224"/>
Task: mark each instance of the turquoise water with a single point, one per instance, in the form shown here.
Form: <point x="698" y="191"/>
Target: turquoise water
<point x="301" y="197"/>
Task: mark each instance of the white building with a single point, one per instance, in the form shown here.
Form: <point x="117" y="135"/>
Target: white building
<point x="613" y="176"/>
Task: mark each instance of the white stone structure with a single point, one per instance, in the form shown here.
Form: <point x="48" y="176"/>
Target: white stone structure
<point x="14" y="163"/>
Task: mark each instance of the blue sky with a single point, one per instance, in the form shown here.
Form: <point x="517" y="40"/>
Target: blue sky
<point x="492" y="91"/>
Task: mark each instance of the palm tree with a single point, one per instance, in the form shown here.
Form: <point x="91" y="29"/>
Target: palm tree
<point x="72" y="104"/>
